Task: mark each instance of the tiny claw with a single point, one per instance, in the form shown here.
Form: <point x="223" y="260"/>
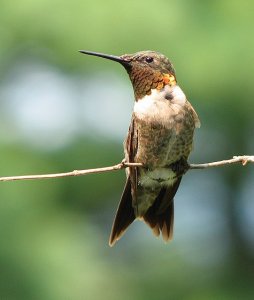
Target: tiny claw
<point x="123" y="163"/>
<point x="180" y="167"/>
<point x="244" y="162"/>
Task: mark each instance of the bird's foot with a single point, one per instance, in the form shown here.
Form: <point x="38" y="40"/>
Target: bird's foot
<point x="180" y="167"/>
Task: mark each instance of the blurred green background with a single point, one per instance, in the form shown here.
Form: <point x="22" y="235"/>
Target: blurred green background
<point x="61" y="111"/>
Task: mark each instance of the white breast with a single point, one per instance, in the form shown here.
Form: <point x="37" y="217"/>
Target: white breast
<point x="178" y="95"/>
<point x="156" y="107"/>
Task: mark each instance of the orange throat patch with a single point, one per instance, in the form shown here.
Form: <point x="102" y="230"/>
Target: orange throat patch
<point x="157" y="81"/>
<point x="168" y="79"/>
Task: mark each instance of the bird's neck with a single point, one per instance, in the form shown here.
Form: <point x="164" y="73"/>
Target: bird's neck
<point x="144" y="82"/>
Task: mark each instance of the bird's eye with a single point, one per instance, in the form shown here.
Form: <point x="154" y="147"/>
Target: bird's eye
<point x="149" y="59"/>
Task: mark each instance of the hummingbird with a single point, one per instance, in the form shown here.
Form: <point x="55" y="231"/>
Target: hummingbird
<point x="160" y="137"/>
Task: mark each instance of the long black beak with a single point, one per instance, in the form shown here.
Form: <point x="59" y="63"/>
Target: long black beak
<point x="122" y="61"/>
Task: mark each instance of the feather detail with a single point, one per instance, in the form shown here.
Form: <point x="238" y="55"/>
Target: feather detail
<point x="124" y="215"/>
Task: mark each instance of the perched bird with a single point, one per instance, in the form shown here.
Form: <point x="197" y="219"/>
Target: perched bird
<point x="160" y="137"/>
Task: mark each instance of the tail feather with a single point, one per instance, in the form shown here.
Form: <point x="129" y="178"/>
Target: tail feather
<point x="162" y="223"/>
<point x="124" y="215"/>
<point x="160" y="216"/>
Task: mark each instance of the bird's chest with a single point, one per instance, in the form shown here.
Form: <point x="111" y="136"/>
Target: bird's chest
<point x="159" y="122"/>
<point x="153" y="111"/>
<point x="161" y="106"/>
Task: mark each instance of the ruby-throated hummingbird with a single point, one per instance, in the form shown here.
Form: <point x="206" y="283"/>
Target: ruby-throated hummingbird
<point x="160" y="137"/>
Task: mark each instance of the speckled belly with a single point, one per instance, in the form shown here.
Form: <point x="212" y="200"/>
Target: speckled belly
<point x="159" y="146"/>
